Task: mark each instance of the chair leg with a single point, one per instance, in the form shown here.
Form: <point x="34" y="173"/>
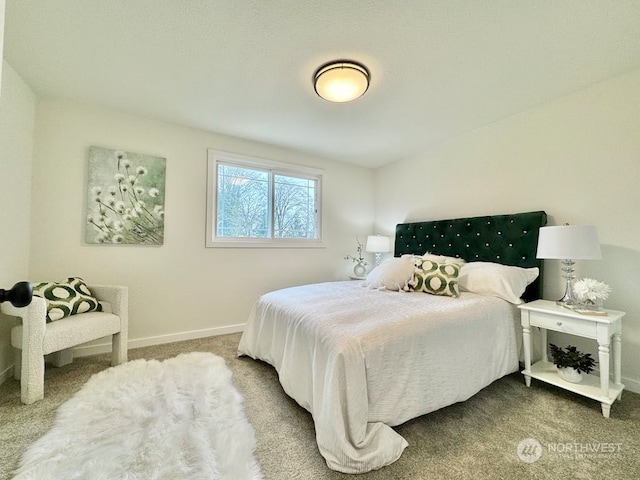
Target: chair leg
<point x="119" y="349"/>
<point x="32" y="381"/>
<point x="17" y="364"/>
<point x="62" y="357"/>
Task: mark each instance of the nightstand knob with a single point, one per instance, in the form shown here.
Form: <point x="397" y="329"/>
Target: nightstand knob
<point x="559" y="324"/>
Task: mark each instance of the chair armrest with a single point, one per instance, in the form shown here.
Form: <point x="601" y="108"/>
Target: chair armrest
<point x="37" y="309"/>
<point x="118" y="298"/>
<point x="34" y="318"/>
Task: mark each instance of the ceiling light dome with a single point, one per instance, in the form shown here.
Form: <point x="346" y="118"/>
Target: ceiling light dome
<point x="341" y="81"/>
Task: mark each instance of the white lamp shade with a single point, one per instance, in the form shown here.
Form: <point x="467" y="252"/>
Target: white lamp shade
<point x="569" y="242"/>
<point x="378" y="244"/>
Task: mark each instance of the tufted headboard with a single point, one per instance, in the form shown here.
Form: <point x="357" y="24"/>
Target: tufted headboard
<point x="507" y="239"/>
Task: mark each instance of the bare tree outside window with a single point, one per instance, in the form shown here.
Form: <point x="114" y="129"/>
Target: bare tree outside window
<point x="243" y="202"/>
<point x="294" y="207"/>
<point x="263" y="203"/>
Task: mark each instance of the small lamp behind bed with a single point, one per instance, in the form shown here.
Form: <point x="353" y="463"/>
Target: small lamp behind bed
<point x="378" y="244"/>
<point x="568" y="243"/>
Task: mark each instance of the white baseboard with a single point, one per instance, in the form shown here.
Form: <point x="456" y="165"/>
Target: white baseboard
<point x="86" y="350"/>
<point x="6" y="374"/>
<point x="631" y="385"/>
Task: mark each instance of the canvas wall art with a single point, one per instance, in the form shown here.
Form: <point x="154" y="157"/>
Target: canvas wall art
<point x="125" y="198"/>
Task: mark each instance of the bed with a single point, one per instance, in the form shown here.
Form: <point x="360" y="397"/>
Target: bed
<point x="363" y="358"/>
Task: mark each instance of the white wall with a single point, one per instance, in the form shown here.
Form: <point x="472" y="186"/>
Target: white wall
<point x="17" y="114"/>
<point x="180" y="289"/>
<point x="2" y="7"/>
<point x="577" y="158"/>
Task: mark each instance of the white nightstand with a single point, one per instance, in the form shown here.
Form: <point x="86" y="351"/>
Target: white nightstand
<point x="549" y="316"/>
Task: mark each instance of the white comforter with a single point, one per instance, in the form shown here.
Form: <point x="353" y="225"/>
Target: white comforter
<point x="362" y="361"/>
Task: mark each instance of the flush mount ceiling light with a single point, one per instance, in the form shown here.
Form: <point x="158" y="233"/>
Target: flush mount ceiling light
<point x="341" y="80"/>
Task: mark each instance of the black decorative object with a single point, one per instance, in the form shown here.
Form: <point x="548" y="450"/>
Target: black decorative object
<point x="20" y="294"/>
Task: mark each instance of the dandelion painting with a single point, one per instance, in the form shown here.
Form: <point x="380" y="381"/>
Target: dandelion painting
<point x="125" y="197"/>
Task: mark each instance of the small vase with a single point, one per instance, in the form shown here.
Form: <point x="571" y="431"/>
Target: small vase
<point x="359" y="270"/>
<point x="570" y="374"/>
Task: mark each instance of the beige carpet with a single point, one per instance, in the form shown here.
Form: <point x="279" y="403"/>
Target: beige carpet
<point x="476" y="439"/>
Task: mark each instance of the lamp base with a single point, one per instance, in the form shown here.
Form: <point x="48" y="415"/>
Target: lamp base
<point x="565" y="302"/>
<point x="568" y="297"/>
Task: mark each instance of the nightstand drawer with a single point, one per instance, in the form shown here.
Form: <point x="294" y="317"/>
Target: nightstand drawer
<point x="584" y="328"/>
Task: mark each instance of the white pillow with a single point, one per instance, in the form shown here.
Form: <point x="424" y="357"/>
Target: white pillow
<point x="496" y="280"/>
<point x="392" y="273"/>
<point x="442" y="258"/>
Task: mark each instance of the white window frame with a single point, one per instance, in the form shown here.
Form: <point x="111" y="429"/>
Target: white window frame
<point x="214" y="157"/>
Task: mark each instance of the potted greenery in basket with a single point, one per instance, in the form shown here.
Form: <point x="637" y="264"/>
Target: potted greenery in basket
<point x="571" y="362"/>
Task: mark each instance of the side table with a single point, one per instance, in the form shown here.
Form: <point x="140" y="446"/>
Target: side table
<point x="605" y="329"/>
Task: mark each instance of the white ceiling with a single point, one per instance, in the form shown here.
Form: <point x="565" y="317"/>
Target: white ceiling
<point x="244" y="67"/>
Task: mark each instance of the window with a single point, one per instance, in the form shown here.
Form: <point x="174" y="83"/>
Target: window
<point x="260" y="203"/>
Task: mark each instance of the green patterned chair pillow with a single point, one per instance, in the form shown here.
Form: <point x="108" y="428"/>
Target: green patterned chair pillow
<point x="66" y="298"/>
<point x="435" y="278"/>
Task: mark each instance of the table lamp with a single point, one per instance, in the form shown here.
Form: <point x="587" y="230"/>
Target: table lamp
<point x="568" y="243"/>
<point x="378" y="244"/>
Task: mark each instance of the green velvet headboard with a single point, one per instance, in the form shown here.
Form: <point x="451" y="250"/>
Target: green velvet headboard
<point x="507" y="239"/>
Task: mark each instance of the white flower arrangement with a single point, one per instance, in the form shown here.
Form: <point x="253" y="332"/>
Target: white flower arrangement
<point x="359" y="258"/>
<point x="590" y="291"/>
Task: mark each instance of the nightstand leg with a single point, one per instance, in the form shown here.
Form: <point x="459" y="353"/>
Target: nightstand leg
<point x="603" y="357"/>
<point x="526" y="341"/>
<point x="617" y="358"/>
<point x="606" y="410"/>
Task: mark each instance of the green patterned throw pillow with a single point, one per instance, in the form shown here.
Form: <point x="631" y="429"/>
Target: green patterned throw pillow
<point x="435" y="278"/>
<point x="66" y="298"/>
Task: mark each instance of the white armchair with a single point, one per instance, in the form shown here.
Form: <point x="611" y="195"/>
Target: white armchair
<point x="36" y="338"/>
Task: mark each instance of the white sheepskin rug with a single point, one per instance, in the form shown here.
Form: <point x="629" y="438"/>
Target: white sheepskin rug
<point x="181" y="418"/>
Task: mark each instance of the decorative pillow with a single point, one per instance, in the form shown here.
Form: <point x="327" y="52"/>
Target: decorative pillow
<point x="435" y="278"/>
<point x="391" y="274"/>
<point x="493" y="279"/>
<point x="434" y="257"/>
<point x="66" y="298"/>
